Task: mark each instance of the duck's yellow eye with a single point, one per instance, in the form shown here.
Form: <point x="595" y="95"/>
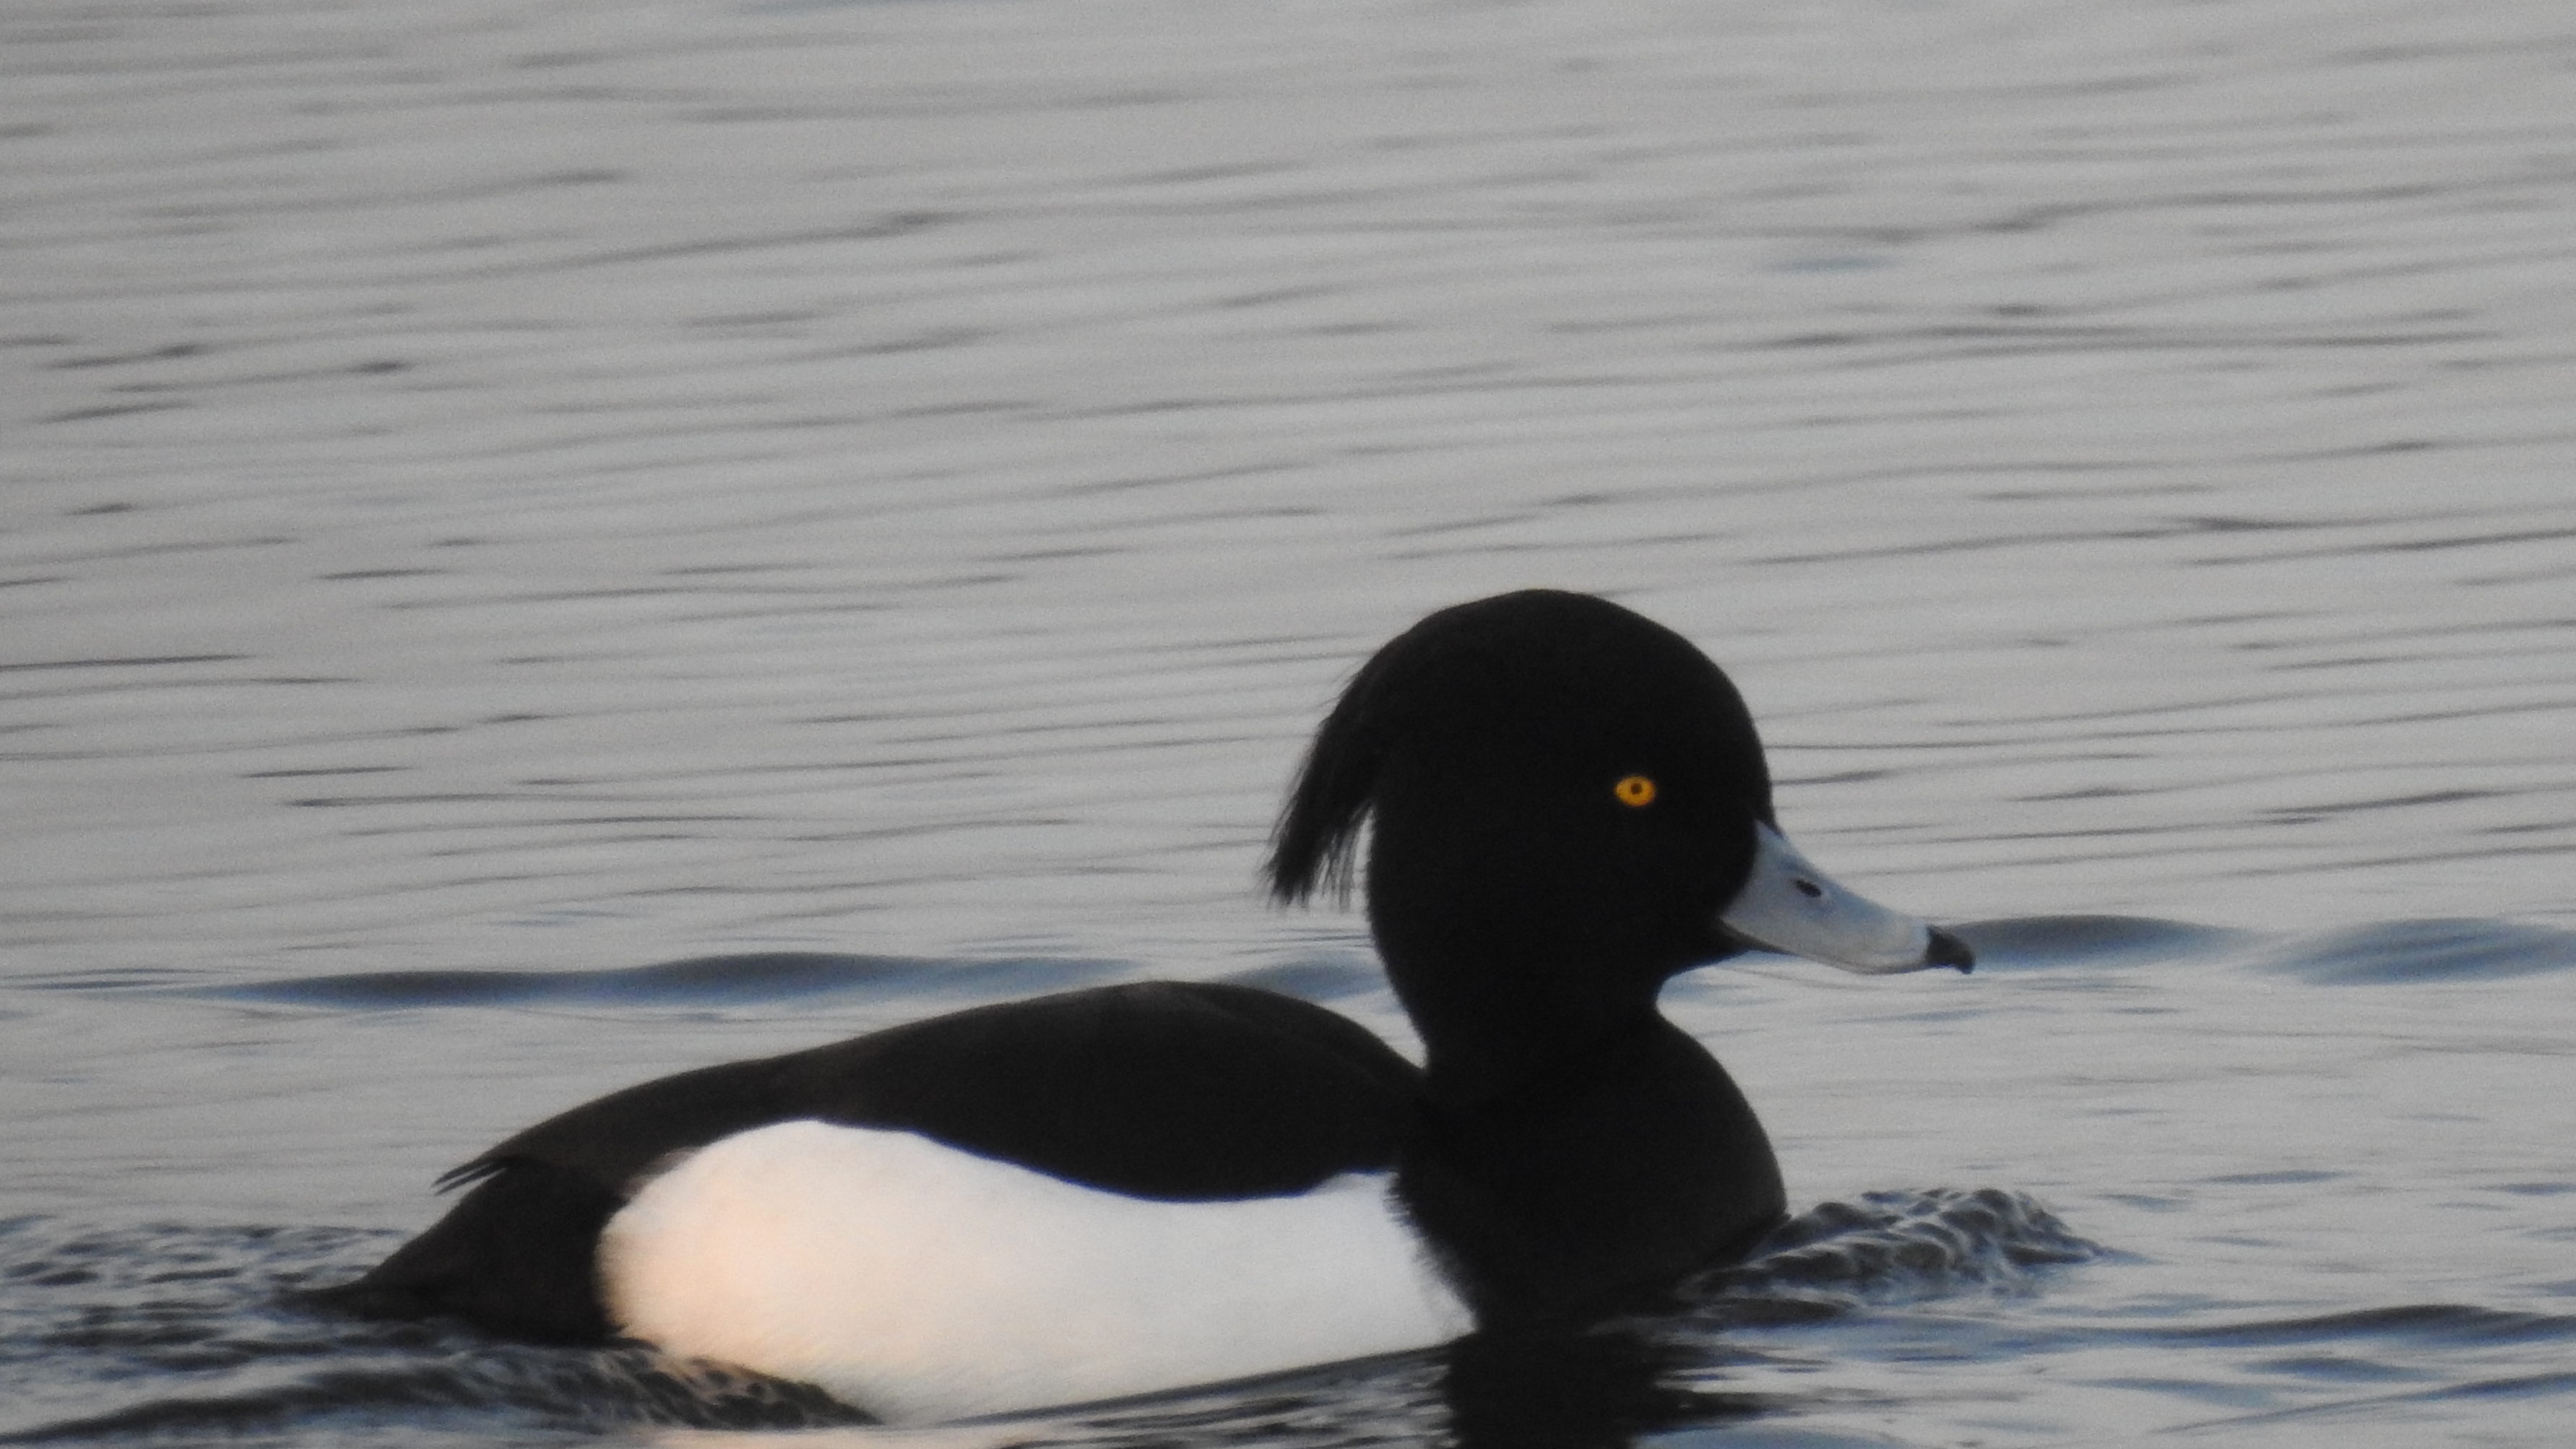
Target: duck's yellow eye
<point x="1634" y="791"/>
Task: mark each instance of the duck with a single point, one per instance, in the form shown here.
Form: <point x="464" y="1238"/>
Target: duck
<point x="1552" y="806"/>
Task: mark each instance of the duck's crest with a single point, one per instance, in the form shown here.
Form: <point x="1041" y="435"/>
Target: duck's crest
<point x="1316" y="843"/>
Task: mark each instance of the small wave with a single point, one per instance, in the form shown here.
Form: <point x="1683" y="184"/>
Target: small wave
<point x="1894" y="1247"/>
<point x="158" y="1331"/>
<point x="2024" y="942"/>
<point x="2439" y="949"/>
<point x="2545" y="1385"/>
<point x="700" y="981"/>
<point x="564" y="1391"/>
<point x="2417" y="1323"/>
<point x="1317" y="978"/>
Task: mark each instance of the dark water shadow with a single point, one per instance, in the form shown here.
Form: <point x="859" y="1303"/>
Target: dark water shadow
<point x="2465" y="1395"/>
<point x="2380" y="952"/>
<point x="2025" y="943"/>
<point x="2415" y="1325"/>
<point x="2444" y="949"/>
<point x="741" y="980"/>
<point x="2439" y="949"/>
<point x="1317" y="978"/>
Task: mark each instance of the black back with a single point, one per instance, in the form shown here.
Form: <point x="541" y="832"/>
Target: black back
<point x="1163" y="1090"/>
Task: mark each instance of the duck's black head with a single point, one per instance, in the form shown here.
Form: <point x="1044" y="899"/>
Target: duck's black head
<point x="1567" y="804"/>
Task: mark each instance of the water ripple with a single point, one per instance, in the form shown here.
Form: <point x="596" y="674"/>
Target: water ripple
<point x="1894" y="1246"/>
<point x="701" y="981"/>
<point x="2424" y="950"/>
<point x="2027" y="942"/>
<point x="2423" y="1324"/>
<point x="194" y="1329"/>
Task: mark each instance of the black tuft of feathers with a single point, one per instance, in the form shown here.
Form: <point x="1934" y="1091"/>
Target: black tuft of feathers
<point x="1315" y="845"/>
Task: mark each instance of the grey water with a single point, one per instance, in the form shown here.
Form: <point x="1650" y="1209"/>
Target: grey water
<point x="546" y="545"/>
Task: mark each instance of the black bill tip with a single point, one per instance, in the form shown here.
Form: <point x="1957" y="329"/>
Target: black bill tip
<point x="1949" y="950"/>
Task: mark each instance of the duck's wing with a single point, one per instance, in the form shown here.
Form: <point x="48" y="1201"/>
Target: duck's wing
<point x="1177" y="1091"/>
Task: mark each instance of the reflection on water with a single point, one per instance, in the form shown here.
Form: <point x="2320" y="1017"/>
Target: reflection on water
<point x="862" y="502"/>
<point x="216" y="1309"/>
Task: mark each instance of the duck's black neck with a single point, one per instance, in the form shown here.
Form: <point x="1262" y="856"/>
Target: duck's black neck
<point x="1506" y="1004"/>
<point x="1498" y="1044"/>
<point x="1593" y="1186"/>
<point x="1576" y="1151"/>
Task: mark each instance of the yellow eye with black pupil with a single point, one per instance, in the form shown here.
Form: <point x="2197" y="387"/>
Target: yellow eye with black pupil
<point x="1634" y="791"/>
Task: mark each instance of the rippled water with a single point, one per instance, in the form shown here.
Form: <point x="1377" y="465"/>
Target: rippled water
<point x="530" y="534"/>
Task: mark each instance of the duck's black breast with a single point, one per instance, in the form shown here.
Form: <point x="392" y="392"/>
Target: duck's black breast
<point x="1165" y="1090"/>
<point x="1593" y="1186"/>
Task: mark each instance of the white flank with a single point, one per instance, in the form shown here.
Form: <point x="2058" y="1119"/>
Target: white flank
<point x="920" y="1282"/>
